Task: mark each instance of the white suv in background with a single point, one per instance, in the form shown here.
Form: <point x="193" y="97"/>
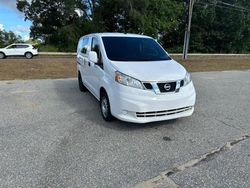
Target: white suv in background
<point x="134" y="78"/>
<point x="26" y="50"/>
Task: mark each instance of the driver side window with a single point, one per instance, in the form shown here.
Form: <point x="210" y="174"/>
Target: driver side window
<point x="83" y="46"/>
<point x="96" y="48"/>
<point x="12" y="47"/>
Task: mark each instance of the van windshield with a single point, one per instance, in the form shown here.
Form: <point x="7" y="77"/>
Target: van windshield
<point x="133" y="49"/>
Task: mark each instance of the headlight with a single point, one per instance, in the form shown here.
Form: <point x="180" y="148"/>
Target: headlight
<point x="187" y="79"/>
<point x="127" y="80"/>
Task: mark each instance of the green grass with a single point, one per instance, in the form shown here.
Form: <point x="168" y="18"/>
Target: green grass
<point x="47" y="48"/>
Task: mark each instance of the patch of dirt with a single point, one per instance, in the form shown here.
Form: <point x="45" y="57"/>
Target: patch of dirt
<point x="44" y="67"/>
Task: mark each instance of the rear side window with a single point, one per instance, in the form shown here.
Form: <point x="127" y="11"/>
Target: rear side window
<point x="22" y="46"/>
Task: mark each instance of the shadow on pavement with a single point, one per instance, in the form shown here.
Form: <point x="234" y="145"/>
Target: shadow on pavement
<point x="86" y="105"/>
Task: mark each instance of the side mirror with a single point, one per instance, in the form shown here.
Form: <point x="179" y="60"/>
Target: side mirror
<point x="93" y="57"/>
<point x="84" y="50"/>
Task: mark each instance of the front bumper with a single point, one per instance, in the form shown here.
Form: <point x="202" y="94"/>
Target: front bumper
<point x="143" y="106"/>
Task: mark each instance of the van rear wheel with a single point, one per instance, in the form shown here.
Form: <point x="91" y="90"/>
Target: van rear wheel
<point x="82" y="88"/>
<point x="105" y="107"/>
<point x="28" y="55"/>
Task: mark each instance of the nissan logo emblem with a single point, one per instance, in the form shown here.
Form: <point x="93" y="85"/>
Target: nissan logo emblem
<point x="167" y="87"/>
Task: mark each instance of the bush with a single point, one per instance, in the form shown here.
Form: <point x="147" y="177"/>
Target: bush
<point x="47" y="48"/>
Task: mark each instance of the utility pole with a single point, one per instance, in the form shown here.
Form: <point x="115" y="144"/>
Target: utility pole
<point x="188" y="28"/>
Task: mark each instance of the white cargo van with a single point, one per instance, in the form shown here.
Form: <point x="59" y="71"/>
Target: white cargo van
<point x="134" y="78"/>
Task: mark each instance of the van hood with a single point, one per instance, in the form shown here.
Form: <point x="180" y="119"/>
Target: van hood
<point x="151" y="70"/>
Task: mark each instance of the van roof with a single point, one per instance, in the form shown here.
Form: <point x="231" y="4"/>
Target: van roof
<point x="113" y="34"/>
<point x="20" y="44"/>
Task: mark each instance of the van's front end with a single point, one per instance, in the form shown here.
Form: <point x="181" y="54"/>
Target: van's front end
<point x="145" y="101"/>
<point x="147" y="84"/>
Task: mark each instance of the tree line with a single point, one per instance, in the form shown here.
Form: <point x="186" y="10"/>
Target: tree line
<point x="216" y="28"/>
<point x="9" y="37"/>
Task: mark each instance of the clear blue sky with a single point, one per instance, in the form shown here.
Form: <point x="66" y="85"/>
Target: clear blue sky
<point x="13" y="20"/>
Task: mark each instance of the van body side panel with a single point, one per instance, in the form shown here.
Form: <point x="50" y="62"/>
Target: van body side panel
<point x="129" y="102"/>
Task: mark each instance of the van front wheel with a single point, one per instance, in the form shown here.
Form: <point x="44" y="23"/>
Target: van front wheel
<point x="105" y="107"/>
<point x="2" y="55"/>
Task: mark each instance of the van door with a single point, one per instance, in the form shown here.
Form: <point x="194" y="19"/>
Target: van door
<point x="21" y="49"/>
<point x="82" y="59"/>
<point x="10" y="50"/>
<point x="96" y="70"/>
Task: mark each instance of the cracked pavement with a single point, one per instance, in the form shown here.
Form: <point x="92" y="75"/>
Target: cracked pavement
<point x="51" y="135"/>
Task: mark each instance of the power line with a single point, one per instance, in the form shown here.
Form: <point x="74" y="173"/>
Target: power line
<point x="221" y="6"/>
<point x="228" y="6"/>
<point x="231" y="5"/>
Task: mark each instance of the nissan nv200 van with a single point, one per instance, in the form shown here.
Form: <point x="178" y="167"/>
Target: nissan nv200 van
<point x="133" y="78"/>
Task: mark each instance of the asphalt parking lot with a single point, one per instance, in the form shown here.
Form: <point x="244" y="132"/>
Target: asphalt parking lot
<point x="52" y="135"/>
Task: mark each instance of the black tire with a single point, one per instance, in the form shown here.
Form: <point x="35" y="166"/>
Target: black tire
<point x="2" y="55"/>
<point x="28" y="55"/>
<point x="105" y="107"/>
<point x="82" y="88"/>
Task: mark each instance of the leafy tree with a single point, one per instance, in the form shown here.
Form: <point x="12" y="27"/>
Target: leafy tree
<point x="218" y="28"/>
<point x="7" y="38"/>
<point x="53" y="20"/>
<point x="59" y="24"/>
<point x="151" y="17"/>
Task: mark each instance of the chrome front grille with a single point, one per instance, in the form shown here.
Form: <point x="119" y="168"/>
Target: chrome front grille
<point x="163" y="113"/>
<point x="164" y="87"/>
